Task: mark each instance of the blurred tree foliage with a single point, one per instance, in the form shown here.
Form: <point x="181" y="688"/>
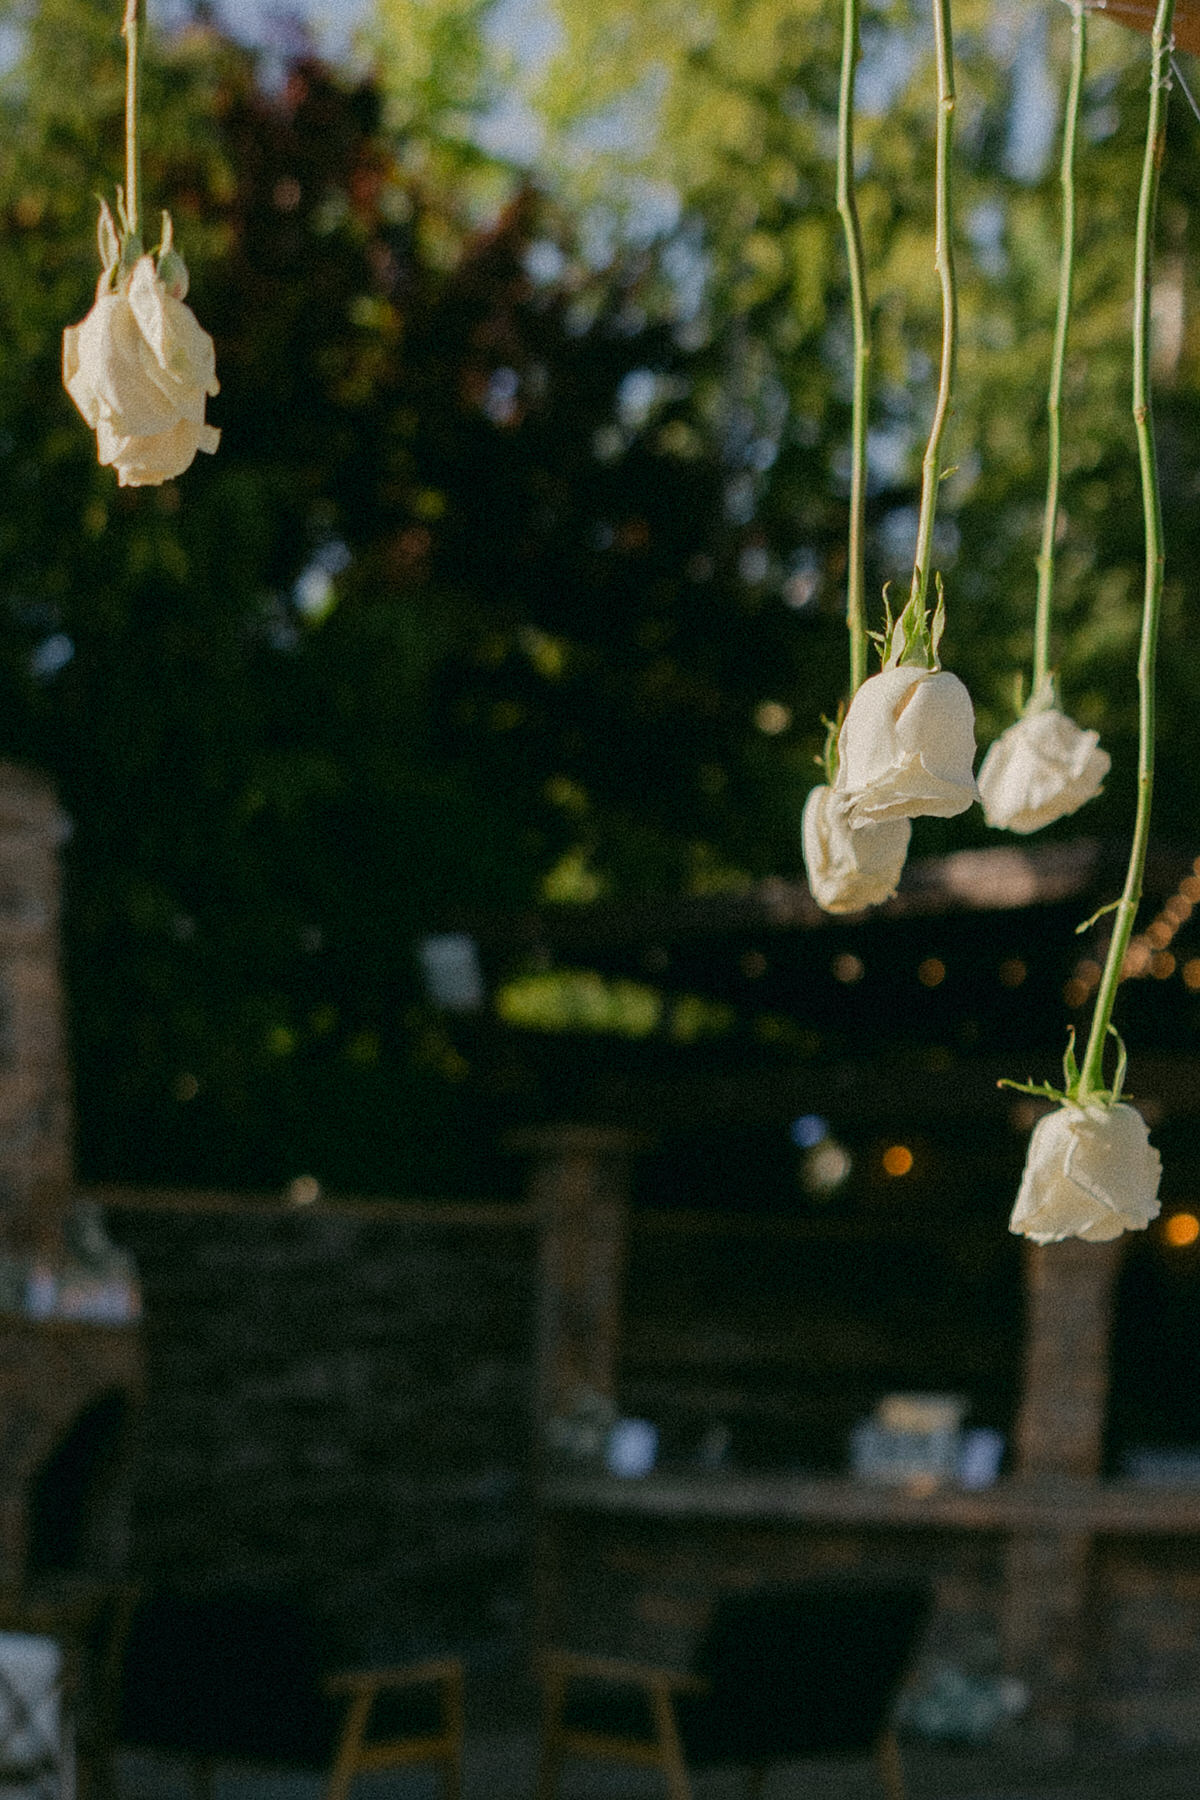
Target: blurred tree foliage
<point x="458" y="616"/>
<point x="518" y="575"/>
<point x="710" y="128"/>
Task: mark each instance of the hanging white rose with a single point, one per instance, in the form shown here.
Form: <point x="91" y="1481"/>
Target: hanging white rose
<point x="139" y="368"/>
<point x="906" y="747"/>
<point x="849" y="870"/>
<point x="1090" y="1172"/>
<point x="1042" y="768"/>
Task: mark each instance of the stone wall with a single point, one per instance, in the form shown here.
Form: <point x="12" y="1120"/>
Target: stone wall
<point x="35" y="1103"/>
<point x="339" y="1406"/>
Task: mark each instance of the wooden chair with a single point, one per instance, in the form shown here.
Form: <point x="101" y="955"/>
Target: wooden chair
<point x="98" y="1714"/>
<point x="415" y="1731"/>
<point x="782" y="1674"/>
<point x="239" y="1680"/>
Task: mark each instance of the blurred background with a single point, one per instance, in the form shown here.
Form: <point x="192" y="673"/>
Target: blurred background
<point x="487" y="1125"/>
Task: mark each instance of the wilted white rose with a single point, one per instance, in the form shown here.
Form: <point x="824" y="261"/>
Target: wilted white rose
<point x="1042" y="768"/>
<point x="1091" y="1172"/>
<point x="139" y="368"/>
<point x="849" y="870"/>
<point x="906" y="747"/>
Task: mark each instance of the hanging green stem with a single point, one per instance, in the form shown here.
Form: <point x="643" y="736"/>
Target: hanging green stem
<point x="1092" y="1076"/>
<point x="131" y="32"/>
<point x="944" y="263"/>
<point x="856" y="623"/>
<point x="1066" y="273"/>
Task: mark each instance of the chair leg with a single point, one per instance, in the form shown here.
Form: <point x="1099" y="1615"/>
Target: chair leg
<point x="452" y="1777"/>
<point x="549" y="1763"/>
<point x="674" y="1767"/>
<point x="345" y="1760"/>
<point x="550" y="1754"/>
<point x="891" y="1769"/>
<point x="204" y="1777"/>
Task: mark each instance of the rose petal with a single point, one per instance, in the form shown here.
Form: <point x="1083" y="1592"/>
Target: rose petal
<point x="849" y="870"/>
<point x="906" y="747"/>
<point x="1090" y="1172"/>
<point x="1041" y="769"/>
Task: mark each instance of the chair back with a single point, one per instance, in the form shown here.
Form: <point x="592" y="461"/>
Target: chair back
<point x="811" y="1670"/>
<point x="237" y="1675"/>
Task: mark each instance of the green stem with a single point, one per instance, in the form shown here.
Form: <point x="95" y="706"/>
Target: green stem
<point x="856" y="623"/>
<point x="1066" y="272"/>
<point x="131" y="32"/>
<point x="1092" y="1073"/>
<point x="944" y="264"/>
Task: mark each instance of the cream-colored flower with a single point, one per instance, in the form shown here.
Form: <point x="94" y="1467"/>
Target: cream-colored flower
<point x="1042" y="768"/>
<point x="1090" y="1172"/>
<point x="849" y="870"/>
<point x="906" y="747"/>
<point x="139" y="368"/>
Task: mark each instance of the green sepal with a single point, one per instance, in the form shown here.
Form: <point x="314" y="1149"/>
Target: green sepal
<point x="828" y="759"/>
<point x="1109" y="906"/>
<point x="108" y="240"/>
<point x="1072" y="1092"/>
<point x="1041" y="1090"/>
<point x="913" y="639"/>
<point x="1043" y="698"/>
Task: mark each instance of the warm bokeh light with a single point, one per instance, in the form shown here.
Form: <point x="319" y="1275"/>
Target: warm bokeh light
<point x="848" y="967"/>
<point x="772" y="717"/>
<point x="1012" y="972"/>
<point x="1075" y="991"/>
<point x="1191" y="973"/>
<point x="931" y="972"/>
<point x="1181" y="1229"/>
<point x="897" y="1159"/>
<point x="1162" y="965"/>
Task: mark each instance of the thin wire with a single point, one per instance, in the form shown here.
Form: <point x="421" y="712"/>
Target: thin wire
<point x="1187" y="92"/>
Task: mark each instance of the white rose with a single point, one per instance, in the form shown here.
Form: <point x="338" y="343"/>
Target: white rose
<point x="1091" y="1172"/>
<point x="906" y="747"/>
<point x="849" y="870"/>
<point x="139" y="368"/>
<point x="1040" y="769"/>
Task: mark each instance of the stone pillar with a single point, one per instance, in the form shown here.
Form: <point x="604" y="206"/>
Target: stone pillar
<point x="1068" y="1320"/>
<point x="580" y="1187"/>
<point x="1059" y="1440"/>
<point x="35" y="1097"/>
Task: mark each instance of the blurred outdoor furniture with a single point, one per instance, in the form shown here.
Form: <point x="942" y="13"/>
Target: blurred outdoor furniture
<point x="242" y="1679"/>
<point x="421" y="1726"/>
<point x="99" y="1702"/>
<point x="34" y="1749"/>
<point x="782" y="1674"/>
<point x="60" y="1655"/>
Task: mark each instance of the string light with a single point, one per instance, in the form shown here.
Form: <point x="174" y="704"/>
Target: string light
<point x="1149" y="951"/>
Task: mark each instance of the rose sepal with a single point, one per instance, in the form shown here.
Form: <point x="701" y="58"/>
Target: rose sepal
<point x="913" y="638"/>
<point x="1073" y="1092"/>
